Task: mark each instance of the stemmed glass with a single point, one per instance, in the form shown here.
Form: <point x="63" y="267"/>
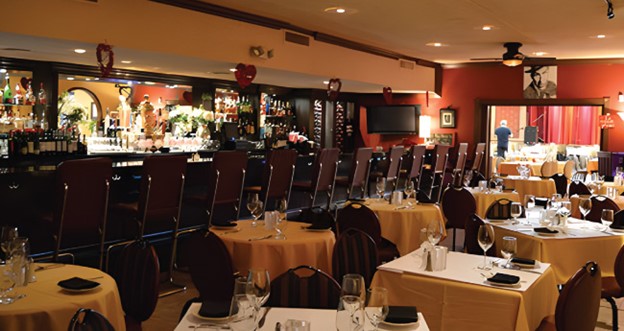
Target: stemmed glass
<point x="585" y="206"/>
<point x="7" y="282"/>
<point x="381" y="187"/>
<point x="254" y="205"/>
<point x="516" y="211"/>
<point x="258" y="289"/>
<point x="376" y="305"/>
<point x="409" y="189"/>
<point x="352" y="296"/>
<point x="555" y="201"/>
<point x="509" y="250"/>
<point x="281" y="222"/>
<point x="435" y="229"/>
<point x="606" y="218"/>
<point x="242" y="310"/>
<point x="7" y="235"/>
<point x="486" y="240"/>
<point x="529" y="204"/>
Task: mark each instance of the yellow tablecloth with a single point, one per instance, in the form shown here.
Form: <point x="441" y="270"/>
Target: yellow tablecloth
<point x="592" y="165"/>
<point x="510" y="168"/>
<point x="48" y="307"/>
<point x="603" y="188"/>
<point x="402" y="226"/>
<point x="574" y="201"/>
<point x="277" y="256"/>
<point x="534" y="185"/>
<point x="484" y="200"/>
<point x="452" y="305"/>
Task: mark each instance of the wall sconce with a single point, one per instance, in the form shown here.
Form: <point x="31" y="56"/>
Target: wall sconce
<point x="258" y="51"/>
<point x="424" y="127"/>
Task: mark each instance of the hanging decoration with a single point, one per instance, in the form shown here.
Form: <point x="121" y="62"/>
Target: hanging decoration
<point x="333" y="88"/>
<point x="25" y="82"/>
<point x="105" y="59"/>
<point x="188" y="97"/>
<point x="245" y="74"/>
<point x="387" y="94"/>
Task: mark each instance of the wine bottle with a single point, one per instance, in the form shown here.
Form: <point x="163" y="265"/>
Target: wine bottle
<point x="29" y="97"/>
<point x="42" y="96"/>
<point x="18" y="98"/>
<point x="8" y="94"/>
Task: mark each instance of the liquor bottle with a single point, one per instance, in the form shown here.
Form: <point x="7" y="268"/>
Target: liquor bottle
<point x="29" y="97"/>
<point x="18" y="98"/>
<point x="8" y="94"/>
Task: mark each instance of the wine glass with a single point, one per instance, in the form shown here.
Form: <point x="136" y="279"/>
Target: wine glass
<point x="606" y="217"/>
<point x="258" y="288"/>
<point x="242" y="310"/>
<point x="7" y="234"/>
<point x="486" y="240"/>
<point x="252" y="204"/>
<point x="555" y="201"/>
<point x="435" y="229"/>
<point x="352" y="297"/>
<point x="516" y="211"/>
<point x="409" y="189"/>
<point x="376" y="305"/>
<point x="281" y="222"/>
<point x="7" y="282"/>
<point x="529" y="204"/>
<point x="510" y="246"/>
<point x="381" y="187"/>
<point x="585" y="206"/>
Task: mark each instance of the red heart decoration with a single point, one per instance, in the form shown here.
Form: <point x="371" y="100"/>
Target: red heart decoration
<point x="188" y="96"/>
<point x="25" y="82"/>
<point x="245" y="74"/>
<point x="387" y="94"/>
<point x="333" y="88"/>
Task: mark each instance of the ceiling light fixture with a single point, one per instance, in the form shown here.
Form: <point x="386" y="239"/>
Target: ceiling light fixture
<point x="486" y="28"/>
<point x="513" y="57"/>
<point x="126" y="61"/>
<point x="258" y="51"/>
<point x="610" y="14"/>
<point x="601" y="36"/>
<point x="340" y="10"/>
<point x="337" y="10"/>
<point x="79" y="51"/>
<point x="232" y="69"/>
<point x="3" y="71"/>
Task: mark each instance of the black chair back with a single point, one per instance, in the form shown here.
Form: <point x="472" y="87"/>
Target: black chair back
<point x="355" y="252"/>
<point x="304" y="287"/>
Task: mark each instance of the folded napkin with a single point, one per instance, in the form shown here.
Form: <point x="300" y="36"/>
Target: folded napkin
<point x="502" y="278"/>
<point x="520" y="260"/>
<point x="402" y="314"/>
<point x="545" y="230"/>
<point x="214" y="309"/>
<point x="541" y="202"/>
<point x="318" y="217"/>
<point x="77" y="283"/>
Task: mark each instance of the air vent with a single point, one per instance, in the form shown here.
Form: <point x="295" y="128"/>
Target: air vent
<point x="296" y="38"/>
<point x="15" y="49"/>
<point x="405" y="64"/>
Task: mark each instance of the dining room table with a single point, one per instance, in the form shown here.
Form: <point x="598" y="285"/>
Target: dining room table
<point x="539" y="187"/>
<point x="460" y="297"/>
<point x="402" y="224"/>
<point x="320" y="319"/>
<point x="256" y="247"/>
<point x="485" y="198"/>
<point x="511" y="167"/>
<point x="566" y="250"/>
<point x="44" y="305"/>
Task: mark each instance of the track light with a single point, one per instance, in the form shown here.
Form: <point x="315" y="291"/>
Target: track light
<point x="610" y="13"/>
<point x="258" y="51"/>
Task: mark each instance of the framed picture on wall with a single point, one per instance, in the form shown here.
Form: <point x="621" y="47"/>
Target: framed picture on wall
<point x="447" y="118"/>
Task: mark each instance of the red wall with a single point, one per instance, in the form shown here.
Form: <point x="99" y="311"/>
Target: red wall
<point x="462" y="86"/>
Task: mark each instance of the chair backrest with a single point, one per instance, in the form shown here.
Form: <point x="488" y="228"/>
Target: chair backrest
<point x="478" y="159"/>
<point x="396" y="153"/>
<point x="600" y="202"/>
<point x="472" y="234"/>
<point x="577" y="187"/>
<point x="604" y="163"/>
<point x="162" y="184"/>
<point x="211" y="267"/>
<point x="304" y="287"/>
<point x="462" y="154"/>
<point x="138" y="279"/>
<point x="618" y="266"/>
<point x="324" y="169"/>
<point x="561" y="183"/>
<point x="499" y="209"/>
<point x="358" y="176"/>
<point x="579" y="300"/>
<point x="278" y="174"/>
<point x="440" y="156"/>
<point x="355" y="252"/>
<point x="548" y="169"/>
<point x="226" y="178"/>
<point x="359" y="216"/>
<point x="89" y="320"/>
<point x="82" y="188"/>
<point x="568" y="169"/>
<point x="457" y="205"/>
<point x="418" y="159"/>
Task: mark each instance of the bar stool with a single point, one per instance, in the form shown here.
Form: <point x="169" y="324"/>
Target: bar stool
<point x="277" y="176"/>
<point x="358" y="175"/>
<point x="323" y="175"/>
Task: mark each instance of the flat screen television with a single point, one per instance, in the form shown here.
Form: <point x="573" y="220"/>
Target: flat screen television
<point x="401" y="119"/>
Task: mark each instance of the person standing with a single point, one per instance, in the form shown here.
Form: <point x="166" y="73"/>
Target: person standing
<point x="503" y="133"/>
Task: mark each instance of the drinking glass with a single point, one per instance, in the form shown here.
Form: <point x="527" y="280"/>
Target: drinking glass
<point x="281" y="223"/>
<point x="7" y="234"/>
<point x="258" y="288"/>
<point x="242" y="310"/>
<point x="606" y="217"/>
<point x="516" y="211"/>
<point x="381" y="187"/>
<point x="555" y="201"/>
<point x="18" y="255"/>
<point x="435" y="229"/>
<point x="529" y="201"/>
<point x="252" y="204"/>
<point x="7" y="282"/>
<point x="486" y="240"/>
<point x="508" y="250"/>
<point x="585" y="206"/>
<point x="257" y="213"/>
<point x="350" y="315"/>
<point x="409" y="189"/>
<point x="376" y="305"/>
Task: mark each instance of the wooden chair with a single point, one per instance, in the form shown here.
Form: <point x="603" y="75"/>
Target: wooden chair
<point x="304" y="287"/>
<point x="277" y="177"/>
<point x="460" y="164"/>
<point x="578" y="303"/>
<point x="435" y="176"/>
<point x="89" y="320"/>
<point x="323" y="175"/>
<point x="568" y="169"/>
<point x="358" y="175"/>
<point x="355" y="252"/>
<point x="613" y="286"/>
<point x="600" y="202"/>
<point x="457" y="205"/>
<point x="548" y="169"/>
<point x="472" y="234"/>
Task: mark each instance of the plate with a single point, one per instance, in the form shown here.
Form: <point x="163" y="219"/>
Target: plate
<point x="616" y="230"/>
<point x="223" y="319"/>
<point x="398" y="324"/>
<point x="516" y="285"/>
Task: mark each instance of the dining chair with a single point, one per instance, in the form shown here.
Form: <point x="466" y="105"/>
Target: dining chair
<point x="613" y="286"/>
<point x="460" y="164"/>
<point x="472" y="177"/>
<point x="561" y="184"/>
<point x="359" y="216"/>
<point x="391" y="172"/>
<point x="138" y="278"/>
<point x="499" y="210"/>
<point x="548" y="169"/>
<point x="355" y="252"/>
<point x="579" y="176"/>
<point x="568" y="169"/>
<point x="359" y="172"/>
<point x="604" y="165"/>
<point x="89" y="320"/>
<point x="457" y="206"/>
<point x="323" y="176"/>
<point x="431" y="185"/>
<point x="304" y="287"/>
<point x="598" y="203"/>
<point x="471" y="235"/>
<point x="578" y="188"/>
<point x="415" y="161"/>
<point x="578" y="303"/>
<point x="277" y="177"/>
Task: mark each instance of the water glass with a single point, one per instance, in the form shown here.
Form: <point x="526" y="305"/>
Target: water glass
<point x="585" y="206"/>
<point x="483" y="184"/>
<point x="606" y="217"/>
<point x="281" y="222"/>
<point x="485" y="238"/>
<point x="350" y="315"/>
<point x="435" y="230"/>
<point x="409" y="189"/>
<point x="555" y="201"/>
<point x="376" y="305"/>
<point x="242" y="309"/>
<point x="516" y="211"/>
<point x="508" y="250"/>
<point x="19" y="257"/>
<point x="7" y="282"/>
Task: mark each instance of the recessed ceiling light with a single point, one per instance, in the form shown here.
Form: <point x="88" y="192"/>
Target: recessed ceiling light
<point x="233" y="69"/>
<point x="340" y="10"/>
<point x="2" y="71"/>
<point x="70" y="78"/>
<point x="436" y="44"/>
<point x="539" y="53"/>
<point x="487" y="27"/>
<point x="325" y="82"/>
<point x="601" y="36"/>
<point x="126" y="61"/>
<point x="337" y="10"/>
<point x="80" y="50"/>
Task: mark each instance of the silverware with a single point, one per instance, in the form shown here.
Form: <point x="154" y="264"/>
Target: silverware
<point x="231" y="231"/>
<point x="210" y="325"/>
<point x="261" y="238"/>
<point x="261" y="322"/>
<point x="49" y="266"/>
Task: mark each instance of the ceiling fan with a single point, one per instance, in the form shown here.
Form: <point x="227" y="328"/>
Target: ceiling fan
<point x="513" y="57"/>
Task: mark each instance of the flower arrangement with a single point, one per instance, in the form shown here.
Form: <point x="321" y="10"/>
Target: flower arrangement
<point x="189" y="119"/>
<point x="70" y="111"/>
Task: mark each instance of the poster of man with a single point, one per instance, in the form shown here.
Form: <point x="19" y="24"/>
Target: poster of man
<point x="540" y="82"/>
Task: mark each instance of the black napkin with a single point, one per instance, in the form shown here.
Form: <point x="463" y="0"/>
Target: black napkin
<point x="318" y="217"/>
<point x="541" y="202"/>
<point x="215" y="309"/>
<point x="77" y="283"/>
<point x="225" y="224"/>
<point x="402" y="314"/>
<point x="520" y="260"/>
<point x="545" y="230"/>
<point x="318" y="227"/>
<point x="504" y="279"/>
